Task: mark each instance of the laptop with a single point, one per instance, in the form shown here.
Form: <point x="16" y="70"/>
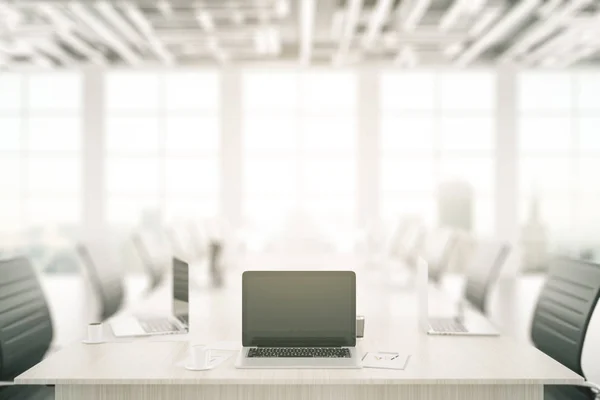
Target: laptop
<point x="468" y="321"/>
<point x="298" y="319"/>
<point x="176" y="323"/>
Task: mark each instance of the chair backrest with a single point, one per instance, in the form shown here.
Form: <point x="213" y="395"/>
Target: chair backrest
<point x="25" y="321"/>
<point x="564" y="309"/>
<point x="483" y="271"/>
<point x="106" y="281"/>
<point x="437" y="251"/>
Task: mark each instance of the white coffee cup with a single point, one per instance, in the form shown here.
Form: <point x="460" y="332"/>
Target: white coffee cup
<point x="95" y="333"/>
<point x="199" y="356"/>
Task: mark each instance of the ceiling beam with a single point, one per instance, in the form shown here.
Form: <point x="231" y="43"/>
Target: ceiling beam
<point x="487" y="17"/>
<point x="307" y="15"/>
<point x="350" y="25"/>
<point x="105" y="33"/>
<point x="414" y="13"/>
<point x="64" y="30"/>
<point x="515" y="15"/>
<point x="379" y="15"/>
<point x="543" y="28"/>
<point x="142" y="23"/>
<point x="451" y="16"/>
<point x="121" y="24"/>
<point x="54" y="50"/>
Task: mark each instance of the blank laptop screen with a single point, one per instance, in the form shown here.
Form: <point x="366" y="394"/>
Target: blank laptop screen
<point x="299" y="308"/>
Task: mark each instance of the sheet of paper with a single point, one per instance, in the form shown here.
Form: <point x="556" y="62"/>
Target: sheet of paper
<point x="216" y="358"/>
<point x="385" y="360"/>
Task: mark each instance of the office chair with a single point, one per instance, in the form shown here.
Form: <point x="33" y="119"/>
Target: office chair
<point x="107" y="283"/>
<point x="25" y="329"/>
<point x="155" y="268"/>
<point x="437" y="252"/>
<point x="483" y="272"/>
<point x="561" y="319"/>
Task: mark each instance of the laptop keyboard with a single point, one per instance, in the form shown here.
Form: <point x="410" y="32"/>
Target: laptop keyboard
<point x="158" y="325"/>
<point x="299" y="352"/>
<point x="447" y="325"/>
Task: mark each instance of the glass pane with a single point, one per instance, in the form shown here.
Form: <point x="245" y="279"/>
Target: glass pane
<point x="408" y="90"/>
<point x="545" y="175"/>
<point x="54" y="175"/>
<point x="545" y="135"/>
<point x="555" y="214"/>
<point x="407" y="175"/>
<point x="133" y="175"/>
<point x="10" y="214"/>
<point x="406" y="204"/>
<point x="274" y="175"/>
<point x="132" y="135"/>
<point x="128" y="209"/>
<point x="322" y="91"/>
<point x="192" y="91"/>
<point x="190" y="207"/>
<point x="407" y="133"/>
<point x="468" y="90"/>
<point x="55" y="91"/>
<point x="477" y="171"/>
<point x="10" y="133"/>
<point x="192" y="176"/>
<point x="334" y="215"/>
<point x="10" y="176"/>
<point x="192" y="134"/>
<point x="329" y="176"/>
<point x="337" y="135"/>
<point x="588" y="91"/>
<point x="588" y="218"/>
<point x="53" y="210"/>
<point x="272" y="209"/>
<point x="467" y="134"/>
<point x="587" y="176"/>
<point x="133" y="91"/>
<point x="550" y="91"/>
<point x="589" y="134"/>
<point x="54" y="134"/>
<point x="11" y="91"/>
<point x="270" y="90"/>
<point x="484" y="215"/>
<point x="273" y="134"/>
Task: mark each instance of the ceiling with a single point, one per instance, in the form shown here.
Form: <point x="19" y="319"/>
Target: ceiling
<point x="406" y="33"/>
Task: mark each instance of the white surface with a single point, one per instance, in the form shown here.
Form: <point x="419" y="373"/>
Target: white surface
<point x="385" y="360"/>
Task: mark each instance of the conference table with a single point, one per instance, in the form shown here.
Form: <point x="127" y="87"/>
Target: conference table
<point x="440" y="367"/>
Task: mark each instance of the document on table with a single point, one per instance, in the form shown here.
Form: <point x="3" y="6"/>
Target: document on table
<point x="385" y="360"/>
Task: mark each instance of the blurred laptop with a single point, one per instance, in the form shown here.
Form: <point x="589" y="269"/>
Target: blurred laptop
<point x="176" y="323"/>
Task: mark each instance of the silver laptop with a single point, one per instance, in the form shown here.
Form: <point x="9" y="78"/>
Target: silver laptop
<point x="176" y="323"/>
<point x="467" y="321"/>
<point x="298" y="319"/>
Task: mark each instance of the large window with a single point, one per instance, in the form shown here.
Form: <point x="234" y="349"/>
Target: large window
<point x="162" y="144"/>
<point x="437" y="128"/>
<point x="299" y="141"/>
<point x="559" y="145"/>
<point x="40" y="149"/>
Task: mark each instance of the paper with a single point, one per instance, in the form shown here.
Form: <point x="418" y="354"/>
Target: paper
<point x="216" y="358"/>
<point x="385" y="360"/>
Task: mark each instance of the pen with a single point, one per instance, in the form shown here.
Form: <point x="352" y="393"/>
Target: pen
<point x="396" y="356"/>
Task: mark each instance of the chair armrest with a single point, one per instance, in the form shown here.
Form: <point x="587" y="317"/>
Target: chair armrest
<point x="593" y="387"/>
<point x="6" y="383"/>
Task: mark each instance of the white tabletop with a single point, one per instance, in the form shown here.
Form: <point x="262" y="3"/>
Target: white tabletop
<point x="391" y="325"/>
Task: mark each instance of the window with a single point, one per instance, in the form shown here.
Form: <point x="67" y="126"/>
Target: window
<point x="437" y="127"/>
<point x="40" y="149"/>
<point x="299" y="141"/>
<point x="162" y="144"/>
<point x="558" y="148"/>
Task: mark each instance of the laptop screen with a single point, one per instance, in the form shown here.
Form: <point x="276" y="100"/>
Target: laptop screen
<point x="181" y="289"/>
<point x="299" y="308"/>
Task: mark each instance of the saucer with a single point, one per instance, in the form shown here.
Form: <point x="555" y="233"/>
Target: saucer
<point x="192" y="368"/>
<point x="85" y="341"/>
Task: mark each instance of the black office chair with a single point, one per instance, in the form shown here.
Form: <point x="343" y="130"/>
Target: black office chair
<point x="561" y="320"/>
<point x="25" y="328"/>
<point x="483" y="272"/>
<point x="155" y="268"/>
<point x="437" y="252"/>
<point x="106" y="282"/>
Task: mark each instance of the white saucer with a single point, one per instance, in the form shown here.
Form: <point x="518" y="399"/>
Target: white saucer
<point x="85" y="341"/>
<point x="192" y="368"/>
